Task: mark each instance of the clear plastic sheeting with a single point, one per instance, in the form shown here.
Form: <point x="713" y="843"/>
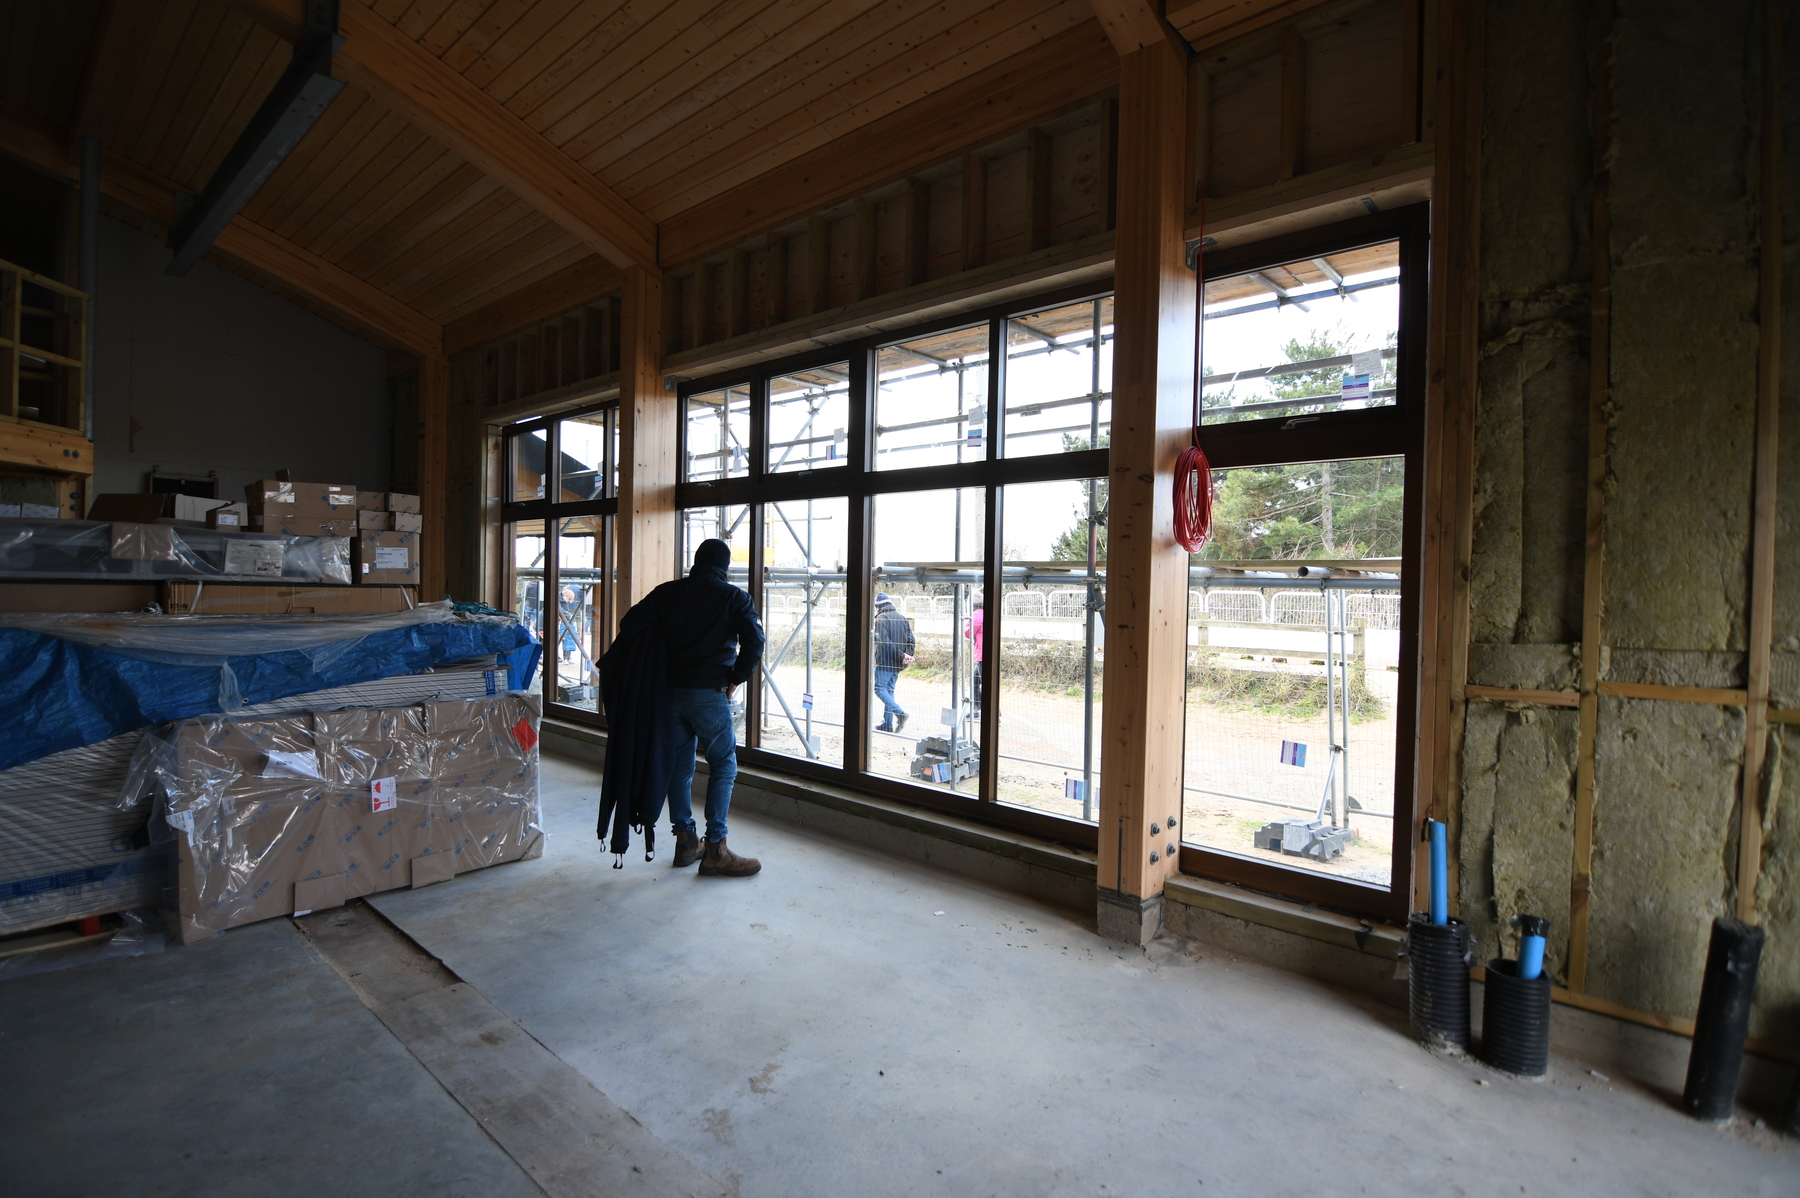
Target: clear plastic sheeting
<point x="71" y="680"/>
<point x="270" y="817"/>
<point x="38" y="549"/>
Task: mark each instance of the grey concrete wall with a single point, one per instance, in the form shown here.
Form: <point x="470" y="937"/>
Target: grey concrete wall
<point x="1684" y="187"/>
<point x="212" y="372"/>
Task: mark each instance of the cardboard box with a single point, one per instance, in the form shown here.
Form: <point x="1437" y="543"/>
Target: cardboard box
<point x="376" y="521"/>
<point x="229" y="517"/>
<point x="371" y="501"/>
<point x="318" y="501"/>
<point x="407" y="521"/>
<point x="79" y="596"/>
<point x="234" y="599"/>
<point x="386" y="557"/>
<point x="396" y="502"/>
<point x="301" y="526"/>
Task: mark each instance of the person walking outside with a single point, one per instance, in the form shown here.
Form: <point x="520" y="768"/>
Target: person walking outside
<point x="714" y="641"/>
<point x="893" y="652"/>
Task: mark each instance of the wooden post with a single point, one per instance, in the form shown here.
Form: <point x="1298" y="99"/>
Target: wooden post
<point x="974" y="199"/>
<point x="737" y="293"/>
<point x="818" y="262"/>
<point x="918" y="231"/>
<point x="862" y="267"/>
<point x="775" y="272"/>
<point x="1146" y="602"/>
<point x="1768" y="458"/>
<point x="1037" y="188"/>
<point x="1293" y="100"/>
<point x="434" y="475"/>
<point x="645" y="528"/>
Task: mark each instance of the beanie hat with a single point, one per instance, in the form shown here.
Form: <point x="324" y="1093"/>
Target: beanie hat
<point x="713" y="552"/>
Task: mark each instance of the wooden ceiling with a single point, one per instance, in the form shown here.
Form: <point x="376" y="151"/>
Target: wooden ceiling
<point x="484" y="147"/>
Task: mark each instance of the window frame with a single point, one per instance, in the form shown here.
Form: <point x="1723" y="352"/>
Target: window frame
<point x="1396" y="430"/>
<point x="551" y="511"/>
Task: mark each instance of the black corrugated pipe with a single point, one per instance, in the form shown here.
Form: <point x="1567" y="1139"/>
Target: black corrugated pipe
<point x="1723" y="1021"/>
<point x="87" y="269"/>
<point x="1515" y="1020"/>
<point x="1438" y="957"/>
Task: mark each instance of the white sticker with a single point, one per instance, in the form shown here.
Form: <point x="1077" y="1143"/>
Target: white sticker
<point x="291" y="765"/>
<point x="336" y="500"/>
<point x="182" y="820"/>
<point x="9" y="509"/>
<point x="392" y="559"/>
<point x="298" y="914"/>
<point x="39" y="511"/>
<point x="227" y="519"/>
<point x="259" y="559"/>
<point x="1355" y="388"/>
<point x="1367" y="362"/>
<point x="384" y="794"/>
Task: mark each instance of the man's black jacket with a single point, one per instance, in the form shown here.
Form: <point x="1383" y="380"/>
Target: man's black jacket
<point x="893" y="638"/>
<point x="713" y="636"/>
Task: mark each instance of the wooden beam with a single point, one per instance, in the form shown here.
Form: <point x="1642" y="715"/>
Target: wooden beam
<point x="1208" y="23"/>
<point x="1534" y="698"/>
<point x="1765" y="499"/>
<point x="1593" y="594"/>
<point x="1067" y="69"/>
<point x="1672" y="694"/>
<point x="1130" y="24"/>
<point x="570" y="287"/>
<point x="775" y="279"/>
<point x="427" y="91"/>
<point x="918" y="232"/>
<point x="434" y="475"/>
<point x="61" y="450"/>
<point x="1146" y="609"/>
<point x="647" y="466"/>
<point x="132" y="185"/>
<point x="737" y="293"/>
<point x="862" y="266"/>
<point x="818" y="263"/>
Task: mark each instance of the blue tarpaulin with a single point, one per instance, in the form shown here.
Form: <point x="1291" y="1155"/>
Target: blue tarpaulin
<point x="77" y="682"/>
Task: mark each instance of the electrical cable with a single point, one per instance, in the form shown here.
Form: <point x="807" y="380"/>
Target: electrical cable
<point x="1193" y="473"/>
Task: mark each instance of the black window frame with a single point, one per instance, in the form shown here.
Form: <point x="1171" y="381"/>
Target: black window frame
<point x="1396" y="430"/>
<point x="552" y="511"/>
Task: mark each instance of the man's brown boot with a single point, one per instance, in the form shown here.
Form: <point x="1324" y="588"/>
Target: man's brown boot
<point x="721" y="862"/>
<point x="687" y="848"/>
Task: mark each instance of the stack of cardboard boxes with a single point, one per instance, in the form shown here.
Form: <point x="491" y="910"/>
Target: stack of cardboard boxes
<point x="277" y="816"/>
<point x="387" y="538"/>
<point x="297" y="509"/>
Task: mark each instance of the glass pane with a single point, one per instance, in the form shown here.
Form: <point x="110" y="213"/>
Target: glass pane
<point x="931" y="400"/>
<point x="804" y="615"/>
<point x="1052" y="646"/>
<point x="586" y="472"/>
<point x="809" y="419"/>
<point x="1059" y="379"/>
<point x="718" y="434"/>
<point x="1293" y="681"/>
<point x="528" y="584"/>
<point x="1316" y="335"/>
<point x="731" y="525"/>
<point x="579" y="638"/>
<point x="928" y="550"/>
<point x="529" y="456"/>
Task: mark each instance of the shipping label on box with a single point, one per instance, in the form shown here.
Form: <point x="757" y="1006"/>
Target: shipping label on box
<point x="254" y="558"/>
<point x="386" y="557"/>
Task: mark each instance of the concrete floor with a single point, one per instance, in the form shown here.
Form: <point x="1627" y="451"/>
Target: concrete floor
<point x="845" y="1023"/>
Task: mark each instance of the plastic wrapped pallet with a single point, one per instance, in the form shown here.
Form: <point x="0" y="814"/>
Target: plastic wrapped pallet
<point x="31" y="549"/>
<point x="270" y="817"/>
<point x="70" y="848"/>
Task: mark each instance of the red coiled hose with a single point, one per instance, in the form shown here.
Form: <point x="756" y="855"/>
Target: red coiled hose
<point x="1193" y="473"/>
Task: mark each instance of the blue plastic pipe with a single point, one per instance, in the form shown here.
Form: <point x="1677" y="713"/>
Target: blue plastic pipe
<point x="1440" y="874"/>
<point x="1531" y="946"/>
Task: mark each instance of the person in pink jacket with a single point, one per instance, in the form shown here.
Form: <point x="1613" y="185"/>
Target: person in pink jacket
<point x="972" y="630"/>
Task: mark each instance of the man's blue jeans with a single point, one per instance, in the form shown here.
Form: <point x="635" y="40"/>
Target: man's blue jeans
<point x="702" y="719"/>
<point x="884" y="690"/>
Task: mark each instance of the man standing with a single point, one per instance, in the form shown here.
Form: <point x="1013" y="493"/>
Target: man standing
<point x="893" y="653"/>
<point x="714" y="641"/>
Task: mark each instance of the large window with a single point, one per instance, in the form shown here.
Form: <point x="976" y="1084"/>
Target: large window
<point x="1302" y="646"/>
<point x="562" y="474"/>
